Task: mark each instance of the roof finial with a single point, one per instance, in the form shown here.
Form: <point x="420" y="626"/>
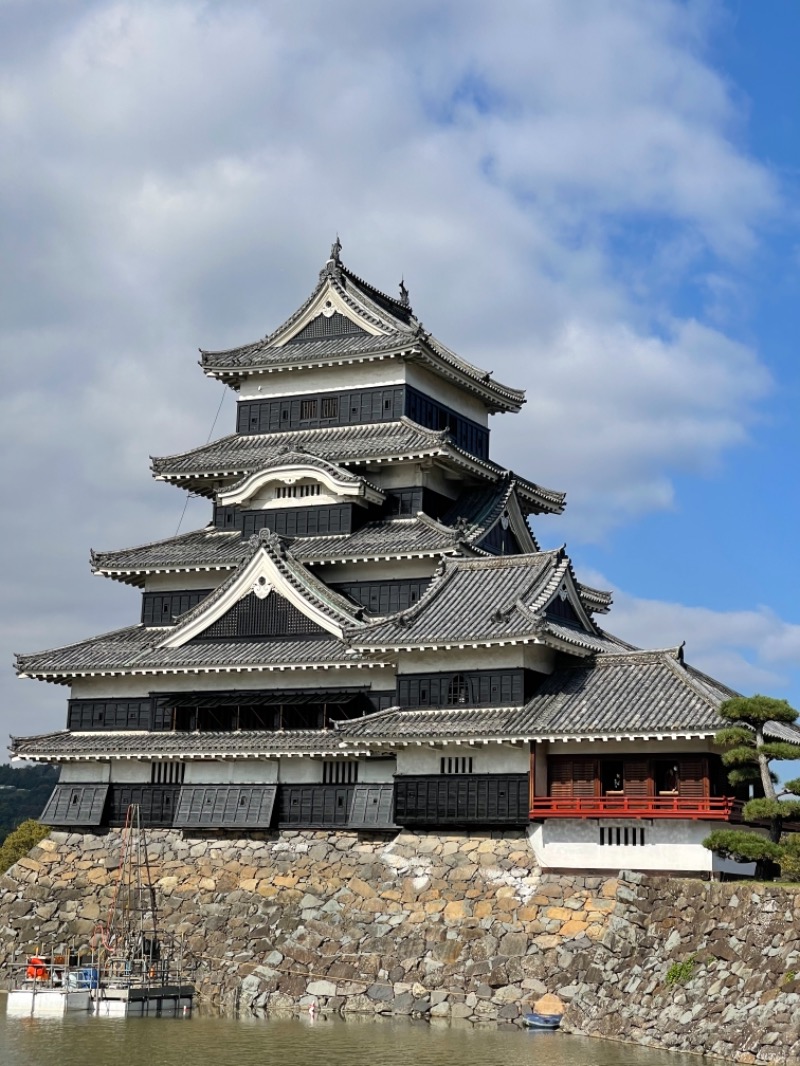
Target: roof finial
<point x="404" y="300"/>
<point x="336" y="249"/>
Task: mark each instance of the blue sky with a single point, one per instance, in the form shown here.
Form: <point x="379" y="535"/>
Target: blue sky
<point x="596" y="201"/>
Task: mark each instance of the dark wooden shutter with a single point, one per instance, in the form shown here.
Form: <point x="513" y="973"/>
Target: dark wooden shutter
<point x="225" y="806"/>
<point x="584" y="776"/>
<point x="372" y="807"/>
<point x="693" y="776"/>
<point x="559" y="773"/>
<point x="636" y="777"/>
<point x="75" y="805"/>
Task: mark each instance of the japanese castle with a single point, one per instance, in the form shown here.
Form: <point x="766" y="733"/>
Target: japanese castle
<point x="367" y="636"/>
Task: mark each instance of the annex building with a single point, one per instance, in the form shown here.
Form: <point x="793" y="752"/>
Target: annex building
<point x="367" y="635"/>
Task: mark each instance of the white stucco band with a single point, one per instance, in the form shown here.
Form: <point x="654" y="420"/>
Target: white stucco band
<point x="667" y="845"/>
<point x="486" y="758"/>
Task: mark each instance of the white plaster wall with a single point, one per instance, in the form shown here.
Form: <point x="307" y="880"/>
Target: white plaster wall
<point x="486" y="758"/>
<point x="418" y="662"/>
<point x="182" y="581"/>
<point x="231" y="771"/>
<point x="321" y="379"/>
<point x="538" y="657"/>
<point x="131" y="771"/>
<point x="97" y="687"/>
<point x="300" y="771"/>
<point x="390" y="570"/>
<point x="376" y="770"/>
<point x="402" y="475"/>
<point x="81" y="771"/>
<point x="451" y="395"/>
<point x="364" y="376"/>
<point x="670" y="845"/>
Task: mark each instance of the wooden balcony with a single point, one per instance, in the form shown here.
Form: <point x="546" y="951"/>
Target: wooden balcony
<point x="700" y="808"/>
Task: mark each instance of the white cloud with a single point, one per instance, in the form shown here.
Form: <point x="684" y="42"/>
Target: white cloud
<point x="749" y="650"/>
<point x="174" y="173"/>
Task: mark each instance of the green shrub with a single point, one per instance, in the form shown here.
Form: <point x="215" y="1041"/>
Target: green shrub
<point x="18" y="843"/>
<point x="680" y="973"/>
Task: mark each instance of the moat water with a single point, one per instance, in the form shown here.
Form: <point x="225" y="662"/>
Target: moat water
<point x="82" y="1040"/>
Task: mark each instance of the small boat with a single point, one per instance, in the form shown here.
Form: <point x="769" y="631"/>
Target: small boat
<point x="51" y="983"/>
<point x="535" y="1020"/>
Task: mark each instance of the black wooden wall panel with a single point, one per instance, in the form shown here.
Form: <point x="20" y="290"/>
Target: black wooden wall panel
<point x="105" y="715"/>
<point x="317" y="520"/>
<point x="256" y="619"/>
<point x="372" y="807"/>
<point x="359" y="407"/>
<point x="157" y="803"/>
<point x="225" y="806"/>
<point x="469" y="435"/>
<point x="384" y="597"/>
<point x="162" y="608"/>
<point x="75" y="804"/>
<point x="314" y="805"/>
<point x="314" y="410"/>
<point x="474" y="688"/>
<point x="476" y="799"/>
<point x="500" y="541"/>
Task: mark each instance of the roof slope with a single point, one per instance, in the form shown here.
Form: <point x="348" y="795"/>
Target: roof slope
<point x="120" y="745"/>
<point x="489" y="600"/>
<point x="347" y="318"/>
<point x="135" y="650"/>
<point x="618" y="694"/>
<point x="237" y="455"/>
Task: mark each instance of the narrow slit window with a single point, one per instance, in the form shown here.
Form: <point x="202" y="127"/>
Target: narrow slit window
<point x="455" y="764"/>
<point x="340" y="772"/>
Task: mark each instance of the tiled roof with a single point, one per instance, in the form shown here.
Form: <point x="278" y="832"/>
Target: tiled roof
<point x="211" y="548"/>
<point x="477" y="601"/>
<point x="135" y="650"/>
<point x="237" y="455"/>
<point x="207" y="548"/>
<point x="264" y="354"/>
<point x="615" y="695"/>
<point x="398" y="331"/>
<point x="125" y="745"/>
<point x="330" y="603"/>
<point x="393" y="538"/>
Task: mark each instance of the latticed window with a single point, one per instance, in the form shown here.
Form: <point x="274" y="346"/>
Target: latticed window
<point x="297" y="492"/>
<point x="308" y="409"/>
<point x="340" y="772"/>
<point x="330" y="407"/>
<point x="167" y="773"/>
<point x="455" y="764"/>
<point x="458" y="689"/>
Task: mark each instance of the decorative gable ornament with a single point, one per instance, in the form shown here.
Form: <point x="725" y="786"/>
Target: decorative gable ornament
<point x="261" y="587"/>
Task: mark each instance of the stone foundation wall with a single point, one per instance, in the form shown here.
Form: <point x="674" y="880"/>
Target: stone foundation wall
<point x="450" y="926"/>
<point x="697" y="966"/>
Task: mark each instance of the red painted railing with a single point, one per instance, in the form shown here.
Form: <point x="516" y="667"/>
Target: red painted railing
<point x="721" y="808"/>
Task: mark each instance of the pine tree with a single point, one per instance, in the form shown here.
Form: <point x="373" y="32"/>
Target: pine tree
<point x="749" y="756"/>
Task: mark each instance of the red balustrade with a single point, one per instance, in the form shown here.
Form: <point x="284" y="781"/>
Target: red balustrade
<point x="721" y="808"/>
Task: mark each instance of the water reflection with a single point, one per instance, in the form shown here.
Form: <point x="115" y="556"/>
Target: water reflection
<point x="82" y="1040"/>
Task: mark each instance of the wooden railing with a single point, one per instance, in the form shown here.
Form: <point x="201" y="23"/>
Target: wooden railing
<point x="721" y="808"/>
